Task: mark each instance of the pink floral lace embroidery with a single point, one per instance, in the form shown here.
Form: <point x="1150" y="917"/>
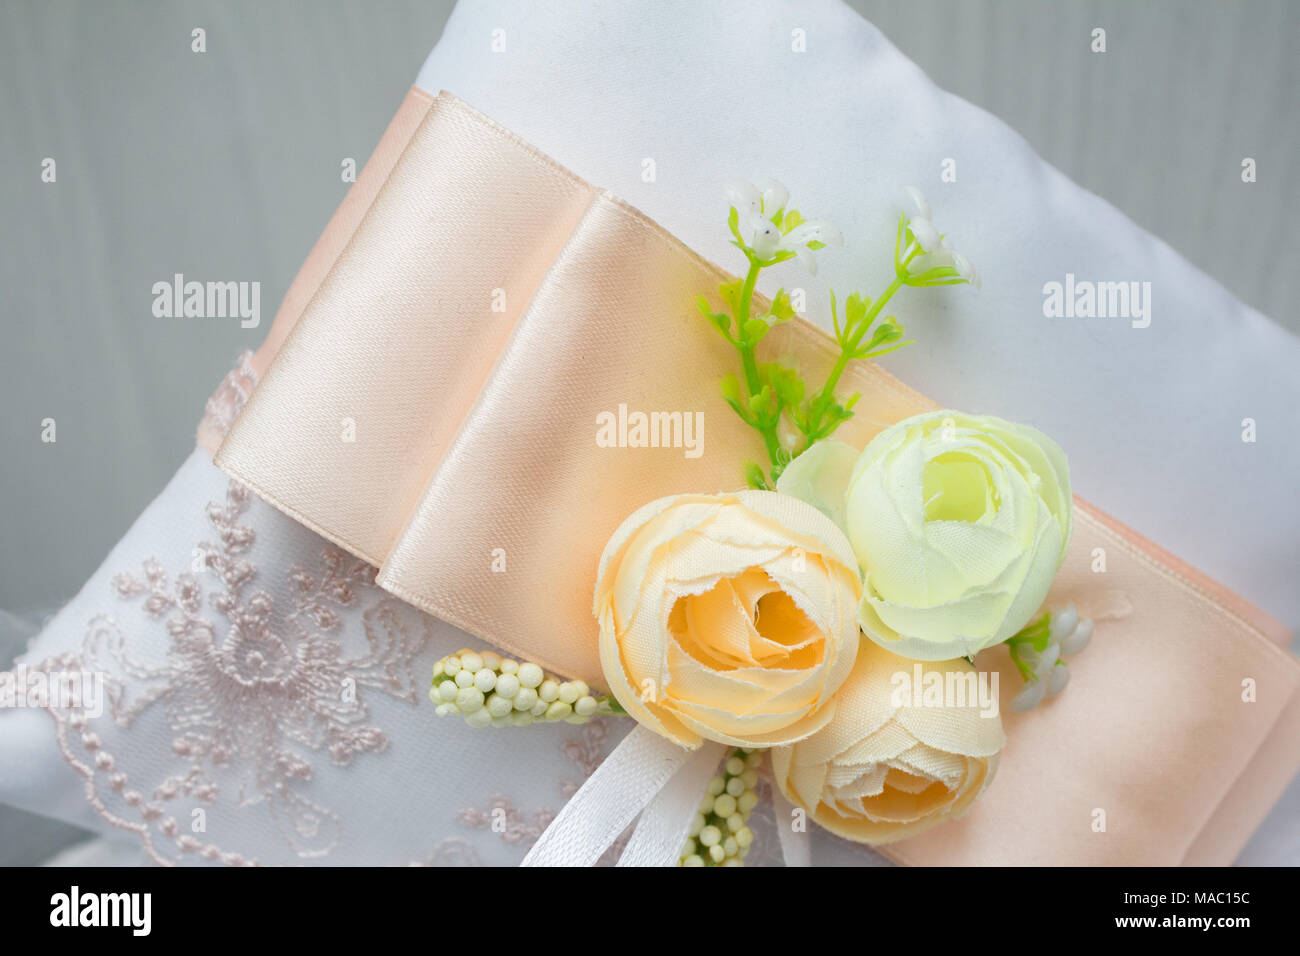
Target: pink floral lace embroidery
<point x="242" y="692"/>
<point x="226" y="402"/>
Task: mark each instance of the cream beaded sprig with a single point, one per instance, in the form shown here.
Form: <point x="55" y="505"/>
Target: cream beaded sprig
<point x="720" y="833"/>
<point x="490" y="690"/>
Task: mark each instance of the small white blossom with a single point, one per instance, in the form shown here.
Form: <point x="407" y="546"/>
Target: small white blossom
<point x="935" y="250"/>
<point x="758" y="206"/>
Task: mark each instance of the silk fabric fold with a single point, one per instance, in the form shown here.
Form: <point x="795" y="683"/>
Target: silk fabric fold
<point x="436" y="410"/>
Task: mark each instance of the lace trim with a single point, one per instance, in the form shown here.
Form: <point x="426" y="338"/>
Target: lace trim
<point x="230" y="397"/>
<point x="248" y="699"/>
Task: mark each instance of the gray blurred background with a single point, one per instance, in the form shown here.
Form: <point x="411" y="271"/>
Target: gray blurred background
<point x="226" y="166"/>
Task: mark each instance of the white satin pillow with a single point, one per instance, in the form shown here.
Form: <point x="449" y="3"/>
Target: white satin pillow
<point x="707" y="91"/>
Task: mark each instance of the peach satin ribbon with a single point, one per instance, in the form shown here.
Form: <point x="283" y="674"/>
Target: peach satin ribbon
<point x="434" y="411"/>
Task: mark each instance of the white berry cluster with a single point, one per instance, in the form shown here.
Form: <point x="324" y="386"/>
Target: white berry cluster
<point x="720" y="833"/>
<point x="489" y="690"/>
<point x="1045" y="671"/>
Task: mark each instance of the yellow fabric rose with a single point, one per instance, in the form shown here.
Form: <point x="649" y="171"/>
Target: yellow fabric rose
<point x="959" y="522"/>
<point x="728" y="617"/>
<point x="884" y="768"/>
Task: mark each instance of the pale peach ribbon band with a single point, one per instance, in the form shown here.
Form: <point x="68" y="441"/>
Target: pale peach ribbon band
<point x="433" y="410"/>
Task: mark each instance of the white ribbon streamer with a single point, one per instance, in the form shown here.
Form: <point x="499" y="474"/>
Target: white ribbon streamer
<point x="611" y="798"/>
<point x="661" y="831"/>
<point x="796" y="845"/>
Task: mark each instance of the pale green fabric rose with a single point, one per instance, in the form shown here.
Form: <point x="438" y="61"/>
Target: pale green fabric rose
<point x="959" y="522"/>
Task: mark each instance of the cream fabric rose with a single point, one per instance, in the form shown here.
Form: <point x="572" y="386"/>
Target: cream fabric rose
<point x="880" y="770"/>
<point x="959" y="523"/>
<point x="728" y="617"/>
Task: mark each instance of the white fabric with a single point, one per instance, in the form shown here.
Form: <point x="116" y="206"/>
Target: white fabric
<point x="1150" y="418"/>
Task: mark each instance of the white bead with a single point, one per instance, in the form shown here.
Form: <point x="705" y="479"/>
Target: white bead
<point x="539" y="708"/>
<point x="471" y="661"/>
<point x="1047" y="660"/>
<point x="748" y="801"/>
<point x="716" y="786"/>
<point x="1079" y="639"/>
<point x="581" y="685"/>
<point x="730" y="846"/>
<point x="710" y="835"/>
<point x="1057" y="680"/>
<point x="509" y="667"/>
<point x="1030" y="697"/>
<point x="744" y="836"/>
<point x="735" y="786"/>
<point x="558" y="710"/>
<point x="549" y="691"/>
<point x="485" y="679"/>
<point x="749" y="778"/>
<point x="586" y="706"/>
<point x="1063" y="623"/>
<point x="693" y="860"/>
<point x="480" y="718"/>
<point x="451" y="665"/>
<point x="530" y="675"/>
<point x="724" y="805"/>
<point x="445" y="710"/>
<point x="569" y="692"/>
<point x="491" y="660"/>
<point x="522" y="720"/>
<point x="469" y="700"/>
<point x="735" y="823"/>
<point x="465" y="678"/>
<point x="735" y="766"/>
<point x="697" y="824"/>
<point x="447" y="690"/>
<point x="507" y="686"/>
<point x="526" y="699"/>
<point x="716" y="853"/>
<point x="499" y="706"/>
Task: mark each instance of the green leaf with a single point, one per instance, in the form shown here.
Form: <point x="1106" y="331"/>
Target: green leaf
<point x="763" y="405"/>
<point x="754" y="475"/>
<point x="782" y="310"/>
<point x="815" y="244"/>
<point x="718" y="320"/>
<point x="754" y="331"/>
<point x="730" y="292"/>
<point x="733" y="223"/>
<point x="855" y="310"/>
<point x="787" y="384"/>
<point x="792" y="219"/>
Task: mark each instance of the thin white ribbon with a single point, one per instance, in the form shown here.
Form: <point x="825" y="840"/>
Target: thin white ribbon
<point x="661" y="831"/>
<point x="796" y="845"/>
<point x="609" y="801"/>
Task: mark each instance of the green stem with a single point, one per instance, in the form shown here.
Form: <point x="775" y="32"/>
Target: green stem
<point x="748" y="359"/>
<point x="827" y="392"/>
